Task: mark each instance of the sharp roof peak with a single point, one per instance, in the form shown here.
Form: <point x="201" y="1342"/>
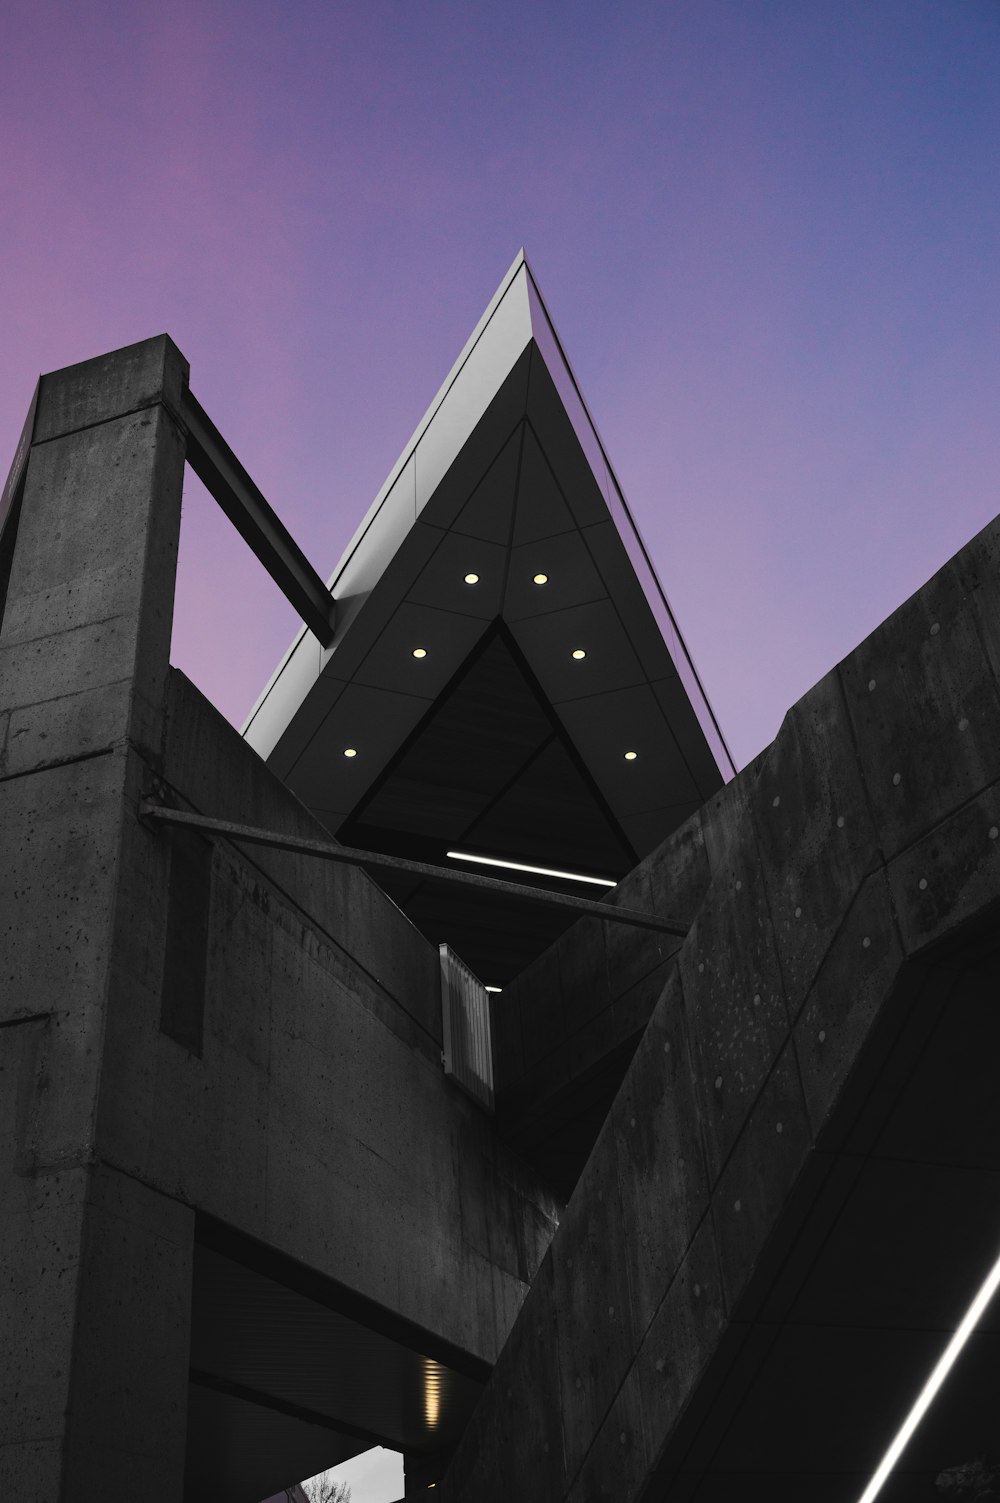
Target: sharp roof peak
<point x="513" y="362"/>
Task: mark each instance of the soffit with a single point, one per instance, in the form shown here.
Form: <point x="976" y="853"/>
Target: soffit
<point x="278" y="1377"/>
<point x="505" y="481"/>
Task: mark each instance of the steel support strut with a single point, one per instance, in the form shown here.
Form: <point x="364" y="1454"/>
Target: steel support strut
<point x="347" y="855"/>
<point x="215" y="464"/>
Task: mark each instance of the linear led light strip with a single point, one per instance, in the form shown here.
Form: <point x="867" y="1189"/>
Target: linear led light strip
<point x="538" y="871"/>
<point x="933" y="1383"/>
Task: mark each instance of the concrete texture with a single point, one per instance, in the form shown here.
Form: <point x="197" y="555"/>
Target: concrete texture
<point x="299" y="1102"/>
<point x="801" y="1105"/>
<point x="97" y="1262"/>
<point x="778" y="1135"/>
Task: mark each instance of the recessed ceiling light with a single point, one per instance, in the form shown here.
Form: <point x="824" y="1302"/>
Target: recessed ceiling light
<point x="472" y="579"/>
<point x="540" y="579"/>
<point x="349" y="751"/>
<point x="420" y="652"/>
<point x="579" y="653"/>
<point x="631" y="756"/>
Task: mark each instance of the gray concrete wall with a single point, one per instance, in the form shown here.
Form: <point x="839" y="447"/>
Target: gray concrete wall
<point x="95" y="1260"/>
<point x="334" y="1135"/>
<point x="864" y="837"/>
<point x="311" y="1113"/>
<point x="290" y="1085"/>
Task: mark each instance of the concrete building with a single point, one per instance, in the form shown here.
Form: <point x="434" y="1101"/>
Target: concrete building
<point x="703" y="1189"/>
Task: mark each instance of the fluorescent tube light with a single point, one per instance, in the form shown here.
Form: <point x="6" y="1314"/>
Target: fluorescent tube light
<point x="937" y="1377"/>
<point x="538" y="871"/>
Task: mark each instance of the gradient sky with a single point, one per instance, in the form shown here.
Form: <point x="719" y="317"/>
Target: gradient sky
<point x="768" y="232"/>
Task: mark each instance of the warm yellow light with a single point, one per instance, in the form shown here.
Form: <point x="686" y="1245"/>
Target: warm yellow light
<point x="579" y="654"/>
<point x="349" y="751"/>
<point x="472" y="579"/>
<point x="432" y="1394"/>
<point x="631" y="756"/>
<point x="420" y="652"/>
<point x="540" y="579"/>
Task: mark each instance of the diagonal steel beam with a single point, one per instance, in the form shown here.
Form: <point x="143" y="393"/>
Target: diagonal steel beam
<point x="215" y="464"/>
<point x="347" y="855"/>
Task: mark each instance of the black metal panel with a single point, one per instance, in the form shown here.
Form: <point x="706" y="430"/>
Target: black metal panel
<point x="489" y="769"/>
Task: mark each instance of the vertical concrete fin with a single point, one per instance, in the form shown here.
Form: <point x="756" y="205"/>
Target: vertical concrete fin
<point x="86" y="628"/>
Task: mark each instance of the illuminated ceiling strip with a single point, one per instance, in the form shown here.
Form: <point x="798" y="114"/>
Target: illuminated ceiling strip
<point x="539" y="871"/>
<point x="933" y="1383"/>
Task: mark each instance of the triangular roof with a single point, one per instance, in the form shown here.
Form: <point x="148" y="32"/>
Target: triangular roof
<point x="506" y="480"/>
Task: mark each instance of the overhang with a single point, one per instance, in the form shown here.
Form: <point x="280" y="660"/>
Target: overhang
<point x="506" y="678"/>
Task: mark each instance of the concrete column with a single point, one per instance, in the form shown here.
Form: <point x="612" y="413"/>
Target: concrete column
<point x="127" y="1412"/>
<point x="85" y="637"/>
<point x="96" y="1278"/>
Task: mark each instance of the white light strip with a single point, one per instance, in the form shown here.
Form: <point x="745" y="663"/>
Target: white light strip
<point x="933" y="1383"/>
<point x="539" y="871"/>
<point x="494" y="988"/>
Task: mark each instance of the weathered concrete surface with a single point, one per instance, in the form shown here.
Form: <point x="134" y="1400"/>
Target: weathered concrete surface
<point x="85" y="636"/>
<point x="309" y="1113"/>
<point x="808" y="1071"/>
<point x="771" y="1072"/>
<point x="321" y="1056"/>
<point x="86" y="629"/>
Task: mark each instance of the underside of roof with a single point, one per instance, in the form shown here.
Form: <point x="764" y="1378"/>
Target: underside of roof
<point x="506" y="679"/>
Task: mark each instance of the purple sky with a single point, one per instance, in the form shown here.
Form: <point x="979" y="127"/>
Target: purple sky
<point x="768" y="232"/>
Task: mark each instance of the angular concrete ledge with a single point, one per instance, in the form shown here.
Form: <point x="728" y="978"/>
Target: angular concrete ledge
<point x="861" y="846"/>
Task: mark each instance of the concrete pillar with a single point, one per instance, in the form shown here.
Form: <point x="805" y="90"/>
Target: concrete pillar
<point x="96" y="1281"/>
<point x="85" y="637"/>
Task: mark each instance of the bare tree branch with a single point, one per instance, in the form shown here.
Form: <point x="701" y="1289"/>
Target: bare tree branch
<point x="324" y="1489"/>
